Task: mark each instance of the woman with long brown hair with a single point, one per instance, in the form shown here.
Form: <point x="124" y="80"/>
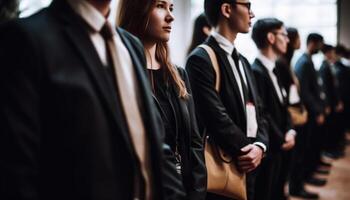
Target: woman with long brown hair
<point x="151" y="21"/>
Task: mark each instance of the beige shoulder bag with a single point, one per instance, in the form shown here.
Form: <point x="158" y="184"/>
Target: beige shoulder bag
<point x="223" y="177"/>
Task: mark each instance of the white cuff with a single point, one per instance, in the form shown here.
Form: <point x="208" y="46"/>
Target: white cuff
<point x="292" y="132"/>
<point x="260" y="144"/>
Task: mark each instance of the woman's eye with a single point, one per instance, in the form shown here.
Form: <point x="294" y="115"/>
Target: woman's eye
<point x="160" y="6"/>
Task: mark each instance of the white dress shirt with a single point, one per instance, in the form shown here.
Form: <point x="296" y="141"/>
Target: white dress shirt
<point x="270" y="66"/>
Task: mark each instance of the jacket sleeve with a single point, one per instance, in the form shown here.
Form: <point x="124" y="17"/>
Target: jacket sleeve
<point x="304" y="74"/>
<point x="209" y="106"/>
<point x="20" y="129"/>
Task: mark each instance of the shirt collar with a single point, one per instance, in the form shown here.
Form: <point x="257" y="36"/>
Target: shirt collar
<point x="224" y="43"/>
<point x="268" y="63"/>
<point x="89" y="13"/>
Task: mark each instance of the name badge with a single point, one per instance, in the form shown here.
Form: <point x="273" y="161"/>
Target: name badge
<point x="293" y="95"/>
<point x="252" y="124"/>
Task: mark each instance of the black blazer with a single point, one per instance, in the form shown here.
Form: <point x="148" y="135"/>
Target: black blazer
<point x="275" y="112"/>
<point x="62" y="133"/>
<point x="331" y="85"/>
<point x="222" y="114"/>
<point x="190" y="141"/>
<point x="310" y="90"/>
<point x="343" y="76"/>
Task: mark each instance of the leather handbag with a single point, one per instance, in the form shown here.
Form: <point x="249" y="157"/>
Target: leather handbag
<point x="222" y="173"/>
<point x="298" y="115"/>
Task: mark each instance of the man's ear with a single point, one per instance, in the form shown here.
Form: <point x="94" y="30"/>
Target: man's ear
<point x="226" y="10"/>
<point x="271" y="38"/>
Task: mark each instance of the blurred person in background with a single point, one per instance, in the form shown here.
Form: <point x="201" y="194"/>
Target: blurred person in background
<point x="313" y="98"/>
<point x="342" y="68"/>
<point x="334" y="127"/>
<point x="201" y="30"/>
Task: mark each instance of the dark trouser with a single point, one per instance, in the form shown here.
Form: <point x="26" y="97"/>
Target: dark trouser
<point x="335" y="132"/>
<point x="315" y="145"/>
<point x="297" y="173"/>
<point x="279" y="193"/>
<point x="267" y="176"/>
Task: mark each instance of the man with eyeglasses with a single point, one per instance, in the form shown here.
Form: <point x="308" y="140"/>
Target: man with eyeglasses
<point x="271" y="38"/>
<point x="232" y="116"/>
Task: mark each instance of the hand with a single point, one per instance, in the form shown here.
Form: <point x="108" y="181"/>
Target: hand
<point x="289" y="142"/>
<point x="340" y="107"/>
<point x="251" y="158"/>
<point x="320" y="119"/>
<point x="328" y="110"/>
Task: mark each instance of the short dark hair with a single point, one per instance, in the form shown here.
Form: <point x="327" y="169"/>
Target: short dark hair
<point x="327" y="48"/>
<point x="212" y="10"/>
<point x="261" y="28"/>
<point x="314" y="37"/>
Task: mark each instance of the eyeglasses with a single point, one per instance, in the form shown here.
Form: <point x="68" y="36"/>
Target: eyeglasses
<point x="246" y="4"/>
<point x="280" y="33"/>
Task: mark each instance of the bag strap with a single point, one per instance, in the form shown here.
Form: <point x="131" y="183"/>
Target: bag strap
<point x="214" y="62"/>
<point x="221" y="154"/>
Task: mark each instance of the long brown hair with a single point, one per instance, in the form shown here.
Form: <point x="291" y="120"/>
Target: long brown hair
<point x="134" y="17"/>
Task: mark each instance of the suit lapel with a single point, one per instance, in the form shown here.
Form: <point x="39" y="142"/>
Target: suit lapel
<point x="226" y="68"/>
<point x="82" y="43"/>
<point x="266" y="73"/>
<point x="251" y="83"/>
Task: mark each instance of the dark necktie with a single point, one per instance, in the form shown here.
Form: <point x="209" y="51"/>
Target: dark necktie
<point x="245" y="89"/>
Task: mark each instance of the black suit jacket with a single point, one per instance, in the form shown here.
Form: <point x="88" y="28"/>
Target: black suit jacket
<point x="343" y="76"/>
<point x="331" y="85"/>
<point x="275" y="112"/>
<point x="310" y="90"/>
<point x="63" y="134"/>
<point x="222" y="114"/>
<point x="190" y="141"/>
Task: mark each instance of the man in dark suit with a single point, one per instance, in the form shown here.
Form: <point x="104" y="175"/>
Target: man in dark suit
<point x="335" y="131"/>
<point x="271" y="38"/>
<point x="312" y="96"/>
<point x="77" y="121"/>
<point x="232" y="116"/>
<point x="342" y="69"/>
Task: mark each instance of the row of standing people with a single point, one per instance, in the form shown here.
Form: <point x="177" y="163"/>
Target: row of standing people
<point x="83" y="119"/>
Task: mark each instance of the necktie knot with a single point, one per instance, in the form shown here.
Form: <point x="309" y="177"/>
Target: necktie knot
<point x="275" y="71"/>
<point x="107" y="31"/>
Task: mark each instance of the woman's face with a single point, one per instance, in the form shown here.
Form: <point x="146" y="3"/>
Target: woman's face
<point x="160" y="21"/>
<point x="297" y="42"/>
